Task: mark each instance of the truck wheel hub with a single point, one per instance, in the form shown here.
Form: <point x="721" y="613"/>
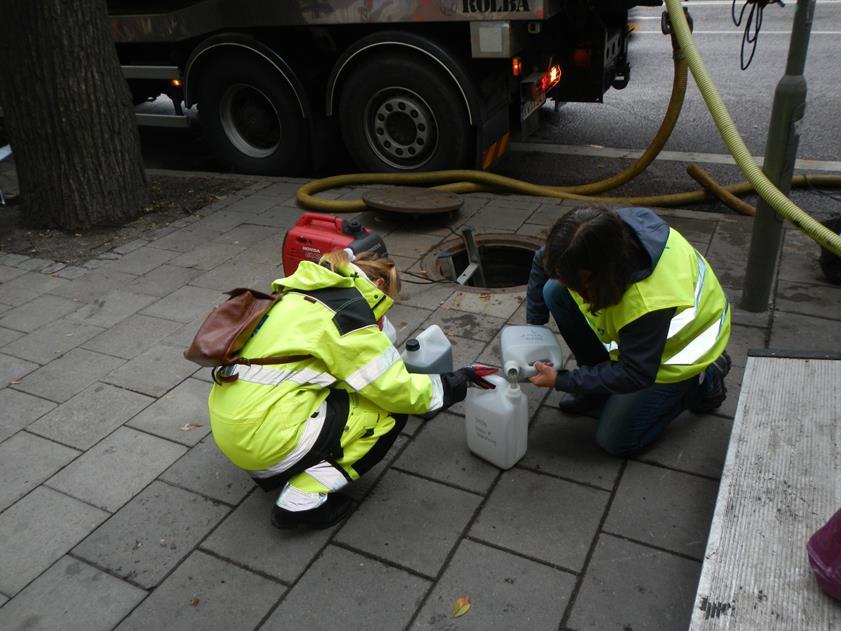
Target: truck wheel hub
<point x="250" y="121"/>
<point x="401" y="128"/>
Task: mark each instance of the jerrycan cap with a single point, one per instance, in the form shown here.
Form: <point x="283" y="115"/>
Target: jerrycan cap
<point x="412" y="345"/>
<point x="351" y="226"/>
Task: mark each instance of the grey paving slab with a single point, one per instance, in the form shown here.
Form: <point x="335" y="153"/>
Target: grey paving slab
<point x="90" y="415"/>
<point x="71" y="595"/>
<point x="806" y="299"/>
<point x="163" y="280"/>
<point x="37" y="312"/>
<point x="113" y="471"/>
<point x="500" y="305"/>
<point x="12" y="259"/>
<point x="268" y="252"/>
<point x="547" y="213"/>
<point x="728" y="251"/>
<point x="453" y="463"/>
<point x="240" y="273"/>
<point x="67" y="376"/>
<point x="410" y="521"/>
<point x="253" y="203"/>
<point x="246" y="235"/>
<point x="111" y="308"/>
<point x="804" y="333"/>
<point x="406" y="320"/>
<point x="132" y="336"/>
<point x="743" y="339"/>
<point x="28" y="286"/>
<point x="19" y="410"/>
<point x="466" y="324"/>
<point x="694" y="444"/>
<point x="206" y="593"/>
<point x="26" y="461"/>
<point x="13" y="369"/>
<point x="151" y="534"/>
<point x="247" y="538"/>
<point x="70" y="272"/>
<point x="205" y="470"/>
<point x="8" y="335"/>
<point x="186" y="304"/>
<point x="180" y="415"/>
<point x="220" y="221"/>
<point x="698" y="231"/>
<point x="410" y="244"/>
<point x="94" y="284"/>
<point x="7" y="273"/>
<point x="131" y="246"/>
<point x="565" y="446"/>
<point x="496" y="217"/>
<point x="186" y="239"/>
<point x="183" y="336"/>
<point x="36" y="264"/>
<point x="36" y="531"/>
<point x="52" y="341"/>
<point x="664" y="508"/>
<point x="738" y="315"/>
<point x="799" y="261"/>
<point x="207" y="256"/>
<point x="506" y="592"/>
<point x="154" y="372"/>
<point x="354" y="592"/>
<point x="277" y="216"/>
<point x="423" y="294"/>
<point x="541" y="517"/>
<point x="629" y="586"/>
<point x="142" y="260"/>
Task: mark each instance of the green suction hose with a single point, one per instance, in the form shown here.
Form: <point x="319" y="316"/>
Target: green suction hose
<point x="764" y="187"/>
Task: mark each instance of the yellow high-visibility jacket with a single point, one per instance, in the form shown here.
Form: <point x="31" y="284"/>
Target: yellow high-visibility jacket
<point x="330" y="317"/>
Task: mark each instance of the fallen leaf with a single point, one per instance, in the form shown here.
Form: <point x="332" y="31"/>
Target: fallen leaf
<point x="484" y="296"/>
<point x="15" y="382"/>
<point x="194" y="602"/>
<point x="461" y="607"/>
<point x="186" y="427"/>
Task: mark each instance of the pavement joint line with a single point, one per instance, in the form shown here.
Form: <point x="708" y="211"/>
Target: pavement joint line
<point x="586" y="565"/>
<point x="215" y="500"/>
<point x="105" y="570"/>
<point x="659" y="465"/>
<point x="238" y="564"/>
<point x="555" y="476"/>
<point x="385" y="561"/>
<point x="431" y="479"/>
<point x="682" y="555"/>
<point x="797" y="313"/>
<point x="516" y="553"/>
<point x="32" y="432"/>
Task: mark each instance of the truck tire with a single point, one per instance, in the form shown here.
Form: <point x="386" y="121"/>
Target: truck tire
<point x="401" y="114"/>
<point x="251" y="117"/>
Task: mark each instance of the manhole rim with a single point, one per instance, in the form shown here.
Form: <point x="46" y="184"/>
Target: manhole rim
<point x="492" y="239"/>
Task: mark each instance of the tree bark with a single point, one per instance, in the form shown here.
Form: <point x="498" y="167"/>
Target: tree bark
<point x="69" y="115"/>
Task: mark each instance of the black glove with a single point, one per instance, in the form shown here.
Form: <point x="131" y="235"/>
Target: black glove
<point x="455" y="383"/>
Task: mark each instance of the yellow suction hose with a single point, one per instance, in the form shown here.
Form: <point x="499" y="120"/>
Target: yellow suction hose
<point x="685" y="53"/>
<point x="825" y="237"/>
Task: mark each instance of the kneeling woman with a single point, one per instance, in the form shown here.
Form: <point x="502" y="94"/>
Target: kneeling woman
<point x="643" y="314"/>
<point x="319" y="421"/>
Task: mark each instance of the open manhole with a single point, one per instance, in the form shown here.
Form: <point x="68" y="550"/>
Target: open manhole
<point x="505" y="261"/>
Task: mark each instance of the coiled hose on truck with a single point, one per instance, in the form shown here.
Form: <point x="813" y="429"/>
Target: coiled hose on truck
<point x="685" y="53"/>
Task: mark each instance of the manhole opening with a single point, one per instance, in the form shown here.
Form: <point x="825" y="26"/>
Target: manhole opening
<point x="506" y="261"/>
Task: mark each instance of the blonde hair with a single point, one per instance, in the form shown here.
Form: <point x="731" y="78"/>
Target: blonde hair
<point x="374" y="266"/>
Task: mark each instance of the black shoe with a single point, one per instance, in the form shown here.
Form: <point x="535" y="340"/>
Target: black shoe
<point x="713" y="392"/>
<point x="582" y="404"/>
<point x="330" y="513"/>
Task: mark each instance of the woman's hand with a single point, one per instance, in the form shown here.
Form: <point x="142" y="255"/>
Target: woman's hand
<point x="546" y="375"/>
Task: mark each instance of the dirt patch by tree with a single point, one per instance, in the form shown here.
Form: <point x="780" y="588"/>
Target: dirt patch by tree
<point x="170" y="199"/>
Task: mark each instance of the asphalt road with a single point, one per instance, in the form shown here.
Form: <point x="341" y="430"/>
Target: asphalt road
<point x="629" y="118"/>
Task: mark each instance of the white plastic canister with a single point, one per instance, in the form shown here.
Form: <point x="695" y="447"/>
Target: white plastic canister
<point x="522" y="345"/>
<point x="429" y="353"/>
<point x="497" y="422"/>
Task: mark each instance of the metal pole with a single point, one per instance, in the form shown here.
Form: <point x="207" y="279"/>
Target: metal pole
<point x="780" y="154"/>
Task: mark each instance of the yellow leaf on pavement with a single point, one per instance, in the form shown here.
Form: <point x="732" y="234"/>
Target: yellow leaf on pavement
<point x="461" y="607"/>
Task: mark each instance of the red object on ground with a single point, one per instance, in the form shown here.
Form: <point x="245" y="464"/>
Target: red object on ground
<point x="314" y="235"/>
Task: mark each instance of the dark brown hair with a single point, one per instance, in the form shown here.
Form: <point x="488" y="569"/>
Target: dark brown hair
<point x="593" y="239"/>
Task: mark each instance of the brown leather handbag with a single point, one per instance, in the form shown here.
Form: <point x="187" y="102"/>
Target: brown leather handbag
<point x="229" y="326"/>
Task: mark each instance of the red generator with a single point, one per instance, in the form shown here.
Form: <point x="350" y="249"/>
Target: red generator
<point x="315" y="234"/>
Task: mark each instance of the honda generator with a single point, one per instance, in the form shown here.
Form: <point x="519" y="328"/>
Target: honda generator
<point x="314" y="235"/>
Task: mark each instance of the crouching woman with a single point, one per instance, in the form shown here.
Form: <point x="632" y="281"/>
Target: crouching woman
<point x="315" y="423"/>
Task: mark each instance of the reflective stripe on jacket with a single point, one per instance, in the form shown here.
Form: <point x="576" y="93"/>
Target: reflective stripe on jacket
<point x="700" y="328"/>
<point x="330" y="317"/>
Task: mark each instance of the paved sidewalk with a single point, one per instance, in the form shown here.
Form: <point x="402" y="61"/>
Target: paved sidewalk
<point x="117" y="511"/>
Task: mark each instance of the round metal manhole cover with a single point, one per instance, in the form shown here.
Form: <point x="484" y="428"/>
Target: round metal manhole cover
<point x="505" y="261"/>
<point x="411" y="200"/>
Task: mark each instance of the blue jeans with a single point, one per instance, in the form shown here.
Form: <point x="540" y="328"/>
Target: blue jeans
<point x="630" y="422"/>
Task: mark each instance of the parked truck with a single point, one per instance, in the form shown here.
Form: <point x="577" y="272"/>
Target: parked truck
<point x="409" y="85"/>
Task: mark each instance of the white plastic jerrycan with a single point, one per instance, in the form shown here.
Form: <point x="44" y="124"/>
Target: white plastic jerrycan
<point x="429" y="353"/>
<point x="522" y="345"/>
<point x="497" y="422"/>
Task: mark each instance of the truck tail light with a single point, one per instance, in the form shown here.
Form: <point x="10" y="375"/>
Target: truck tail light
<point x="176" y="83"/>
<point x="516" y="66"/>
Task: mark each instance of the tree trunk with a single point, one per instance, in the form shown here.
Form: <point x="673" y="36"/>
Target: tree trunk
<point x="69" y="115"/>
